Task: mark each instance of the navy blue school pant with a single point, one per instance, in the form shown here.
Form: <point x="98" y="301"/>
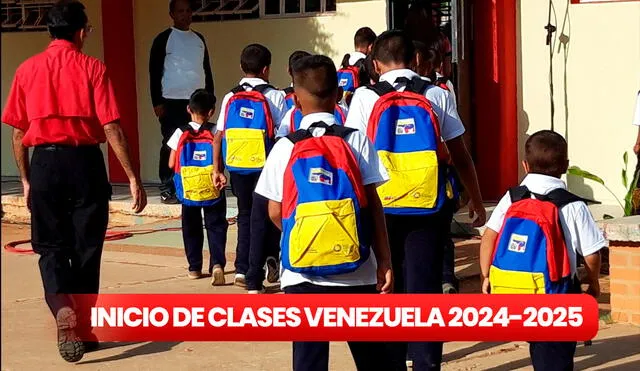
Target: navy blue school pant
<point x="242" y="186"/>
<point x="264" y="241"/>
<point x="417" y="249"/>
<point x="552" y="356"/>
<point x="215" y="222"/>
<point x="314" y="356"/>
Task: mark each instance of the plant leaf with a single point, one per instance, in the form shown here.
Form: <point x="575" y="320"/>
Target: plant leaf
<point x="624" y="178"/>
<point x="625" y="158"/>
<point x="576" y="171"/>
<point x="607" y="216"/>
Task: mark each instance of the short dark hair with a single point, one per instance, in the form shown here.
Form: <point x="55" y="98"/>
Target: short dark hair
<point x="430" y="56"/>
<point x="172" y="4"/>
<point x="317" y="75"/>
<point x="393" y="46"/>
<point x="65" y="18"/>
<point x="296" y="56"/>
<point x="202" y="102"/>
<point x="364" y="37"/>
<point x="546" y="153"/>
<point x="255" y="58"/>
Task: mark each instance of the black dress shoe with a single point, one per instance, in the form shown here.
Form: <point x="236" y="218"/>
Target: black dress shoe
<point x="168" y="198"/>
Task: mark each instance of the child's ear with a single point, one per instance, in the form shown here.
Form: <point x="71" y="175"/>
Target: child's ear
<point x="340" y="94"/>
<point x="417" y="62"/>
<point x="296" y="101"/>
<point x="189" y="110"/>
<point x="376" y="67"/>
<point x="211" y="112"/>
<point x="265" y="72"/>
<point x="525" y="166"/>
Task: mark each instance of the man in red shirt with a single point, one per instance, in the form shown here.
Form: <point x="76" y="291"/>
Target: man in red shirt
<point x="63" y="104"/>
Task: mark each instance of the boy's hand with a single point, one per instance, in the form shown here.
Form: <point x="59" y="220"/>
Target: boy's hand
<point x="385" y="278"/>
<point x="219" y="180"/>
<point x="477" y="209"/>
<point x="486" y="286"/>
<point x="594" y="289"/>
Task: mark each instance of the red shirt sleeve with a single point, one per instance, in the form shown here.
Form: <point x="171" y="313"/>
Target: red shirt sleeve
<point x="104" y="96"/>
<point x="15" y="111"/>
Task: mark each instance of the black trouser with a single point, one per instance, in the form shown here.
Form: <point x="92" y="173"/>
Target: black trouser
<point x="175" y="116"/>
<point x="264" y="241"/>
<point x="215" y="222"/>
<point x="449" y="258"/>
<point x="69" y="214"/>
<point x="314" y="356"/>
<point x="242" y="186"/>
<point x="552" y="356"/>
<point x="417" y="246"/>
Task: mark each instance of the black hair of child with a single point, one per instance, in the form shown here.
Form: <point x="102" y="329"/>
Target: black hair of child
<point x="254" y="59"/>
<point x="202" y="102"/>
<point x="393" y="46"/>
<point x="317" y="75"/>
<point x="364" y="37"/>
<point x="546" y="153"/>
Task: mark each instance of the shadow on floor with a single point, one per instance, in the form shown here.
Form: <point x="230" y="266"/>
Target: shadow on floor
<point x="144" y="349"/>
<point x="461" y="353"/>
<point x="602" y="351"/>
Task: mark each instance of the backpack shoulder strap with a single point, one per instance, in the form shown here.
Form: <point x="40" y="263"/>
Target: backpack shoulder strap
<point x="298" y="136"/>
<point x="342" y="131"/>
<point x="288" y="90"/>
<point x="207" y="126"/>
<point x="186" y="128"/>
<point x="381" y="88"/>
<point x="519" y="193"/>
<point x="560" y="197"/>
<point x="417" y="85"/>
<point x="239" y="88"/>
<point x="262" y="88"/>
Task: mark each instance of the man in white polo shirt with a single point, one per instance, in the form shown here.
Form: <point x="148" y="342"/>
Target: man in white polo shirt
<point x="178" y="66"/>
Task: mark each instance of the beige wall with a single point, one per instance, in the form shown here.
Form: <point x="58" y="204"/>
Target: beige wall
<point x="331" y="35"/>
<point x="17" y="47"/>
<point x="596" y="67"/>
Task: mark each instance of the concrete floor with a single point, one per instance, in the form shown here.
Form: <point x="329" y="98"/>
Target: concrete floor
<point x="137" y="266"/>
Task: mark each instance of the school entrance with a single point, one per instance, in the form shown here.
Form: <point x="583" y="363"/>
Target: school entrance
<point x="483" y="38"/>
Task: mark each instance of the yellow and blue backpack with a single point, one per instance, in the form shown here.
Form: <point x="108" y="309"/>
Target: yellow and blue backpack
<point x="193" y="171"/>
<point x="531" y="254"/>
<point x="326" y="226"/>
<point x="249" y="132"/>
<point x="405" y="131"/>
<point x="288" y="98"/>
<point x="296" y="118"/>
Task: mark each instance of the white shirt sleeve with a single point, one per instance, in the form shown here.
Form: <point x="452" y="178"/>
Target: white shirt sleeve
<point x="636" y="116"/>
<point x="175" y="139"/>
<point x="444" y="106"/>
<point x="586" y="237"/>
<point x="497" y="215"/>
<point x="284" y="127"/>
<point x="271" y="181"/>
<point x="223" y="111"/>
<point x="371" y="168"/>
<point x="277" y="106"/>
<point x="358" y="116"/>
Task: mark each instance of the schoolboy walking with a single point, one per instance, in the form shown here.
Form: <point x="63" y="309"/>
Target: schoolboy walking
<point x="200" y="188"/>
<point x="540" y="215"/>
<point x="409" y="120"/>
<point x="309" y="194"/>
<point x="352" y="73"/>
<point x="246" y="132"/>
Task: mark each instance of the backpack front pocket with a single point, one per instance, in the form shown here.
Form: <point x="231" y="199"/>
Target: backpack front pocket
<point x="514" y="282"/>
<point x="197" y="183"/>
<point x="245" y="148"/>
<point x="325" y="234"/>
<point x="413" y="179"/>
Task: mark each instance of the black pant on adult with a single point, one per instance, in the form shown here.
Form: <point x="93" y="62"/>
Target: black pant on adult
<point x="69" y="214"/>
<point x="175" y="116"/>
<point x="242" y="186"/>
<point x="264" y="241"/>
<point x="314" y="356"/>
<point x="215" y="222"/>
<point x="417" y="246"/>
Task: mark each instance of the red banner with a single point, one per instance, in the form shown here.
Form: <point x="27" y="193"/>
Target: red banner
<point x="216" y="317"/>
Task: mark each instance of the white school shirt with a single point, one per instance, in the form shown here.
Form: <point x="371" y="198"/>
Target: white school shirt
<point x="271" y="184"/>
<point x="175" y="138"/>
<point x="285" y="125"/>
<point x="354" y="57"/>
<point x="443" y="105"/>
<point x="275" y="98"/>
<point x="450" y="87"/>
<point x="636" y="116"/>
<point x="183" y="68"/>
<point x="581" y="233"/>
